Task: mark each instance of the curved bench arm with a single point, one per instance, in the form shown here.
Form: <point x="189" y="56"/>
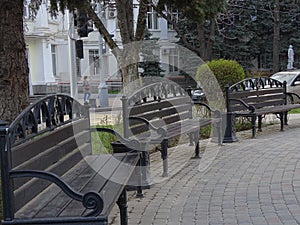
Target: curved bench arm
<point x="215" y="112"/>
<point x="291" y="95"/>
<point x="205" y="105"/>
<point x="161" y="131"/>
<point x="249" y="107"/>
<point x="133" y="144"/>
<point x="90" y="200"/>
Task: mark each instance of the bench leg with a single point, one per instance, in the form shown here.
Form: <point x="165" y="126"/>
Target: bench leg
<point x="253" y="121"/>
<point x="285" y="118"/>
<point x="219" y="131"/>
<point x="259" y="123"/>
<point x="282" y="118"/>
<point x="191" y="137"/>
<point x="164" y="156"/>
<point x="197" y="144"/>
<point x="122" y="203"/>
<point x="139" y="189"/>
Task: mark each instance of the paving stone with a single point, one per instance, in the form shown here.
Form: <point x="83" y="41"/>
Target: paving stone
<point x="252" y="181"/>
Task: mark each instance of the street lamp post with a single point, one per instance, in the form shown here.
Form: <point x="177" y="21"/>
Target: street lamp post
<point x="102" y="88"/>
<point x="72" y="57"/>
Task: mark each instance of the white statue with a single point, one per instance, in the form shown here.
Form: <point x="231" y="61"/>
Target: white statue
<point x="290" y="58"/>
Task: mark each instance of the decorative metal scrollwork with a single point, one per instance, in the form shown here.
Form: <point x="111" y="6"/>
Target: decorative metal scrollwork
<point x="156" y="92"/>
<point x="92" y="200"/>
<point x="44" y="115"/>
<point x="255" y="83"/>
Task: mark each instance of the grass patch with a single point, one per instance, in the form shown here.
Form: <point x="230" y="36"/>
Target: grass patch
<point x="113" y="91"/>
<point x="242" y="124"/>
<point x="101" y="141"/>
<point x="205" y="132"/>
<point x="294" y="111"/>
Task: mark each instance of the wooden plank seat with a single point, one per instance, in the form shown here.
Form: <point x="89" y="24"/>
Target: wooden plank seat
<point x="256" y="97"/>
<point x="49" y="172"/>
<point x="163" y="110"/>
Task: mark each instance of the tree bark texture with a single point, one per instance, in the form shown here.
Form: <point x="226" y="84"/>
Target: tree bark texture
<point x="211" y="40"/>
<point x="129" y="53"/>
<point x="276" y="38"/>
<point x="13" y="62"/>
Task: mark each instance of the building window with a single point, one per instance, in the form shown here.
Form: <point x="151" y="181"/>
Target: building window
<point x="94" y="62"/>
<point x="173" y="60"/>
<point x="152" y="20"/>
<point x="53" y="55"/>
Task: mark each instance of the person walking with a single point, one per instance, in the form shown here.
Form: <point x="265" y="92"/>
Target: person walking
<point x="86" y="90"/>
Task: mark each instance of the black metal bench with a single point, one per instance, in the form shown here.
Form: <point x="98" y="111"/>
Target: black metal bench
<point x="253" y="98"/>
<point x="49" y="172"/>
<point x="166" y="108"/>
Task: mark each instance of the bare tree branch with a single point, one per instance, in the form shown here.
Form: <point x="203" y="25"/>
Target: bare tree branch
<point x="182" y="37"/>
<point x="102" y="29"/>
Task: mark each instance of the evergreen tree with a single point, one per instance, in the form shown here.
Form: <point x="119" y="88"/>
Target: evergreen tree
<point x="245" y="31"/>
<point x="150" y="63"/>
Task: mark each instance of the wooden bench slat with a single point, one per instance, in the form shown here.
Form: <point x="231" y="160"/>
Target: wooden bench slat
<point x="265" y="94"/>
<point x="162" y="112"/>
<point x="35" y="186"/>
<point x="164" y="103"/>
<point x="36" y="205"/>
<point x="170" y="110"/>
<point x="58" y="151"/>
<point x="24" y="152"/>
<point x="90" y="174"/>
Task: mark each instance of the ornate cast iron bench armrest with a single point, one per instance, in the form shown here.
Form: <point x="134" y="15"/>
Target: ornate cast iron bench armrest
<point x="160" y="131"/>
<point x="251" y="108"/>
<point x="291" y="96"/>
<point x="90" y="200"/>
<point x="215" y="112"/>
<point x="133" y="144"/>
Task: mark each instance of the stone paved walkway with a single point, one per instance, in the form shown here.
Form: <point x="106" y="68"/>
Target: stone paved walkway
<point x="253" y="181"/>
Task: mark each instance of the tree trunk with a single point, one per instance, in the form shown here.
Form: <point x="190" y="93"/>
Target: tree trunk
<point x="14" y="66"/>
<point x="211" y="40"/>
<point x="276" y="38"/>
<point x="201" y="37"/>
<point x="127" y="56"/>
<point x="128" y="64"/>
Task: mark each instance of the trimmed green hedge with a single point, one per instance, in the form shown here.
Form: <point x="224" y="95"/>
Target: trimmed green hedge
<point x="226" y="71"/>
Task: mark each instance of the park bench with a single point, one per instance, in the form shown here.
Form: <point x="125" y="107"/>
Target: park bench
<point x="254" y="98"/>
<point x="166" y="108"/>
<point x="50" y="174"/>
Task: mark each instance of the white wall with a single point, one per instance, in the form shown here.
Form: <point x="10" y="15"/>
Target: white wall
<point x="40" y="62"/>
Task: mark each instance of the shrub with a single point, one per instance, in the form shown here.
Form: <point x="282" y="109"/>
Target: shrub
<point x="226" y="71"/>
<point x="101" y="141"/>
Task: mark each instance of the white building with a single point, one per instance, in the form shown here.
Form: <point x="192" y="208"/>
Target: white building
<point x="47" y="40"/>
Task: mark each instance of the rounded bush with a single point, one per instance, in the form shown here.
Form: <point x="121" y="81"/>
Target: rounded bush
<point x="227" y="72"/>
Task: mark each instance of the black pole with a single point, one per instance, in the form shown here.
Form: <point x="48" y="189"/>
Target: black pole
<point x="6" y="182"/>
<point x="229" y="119"/>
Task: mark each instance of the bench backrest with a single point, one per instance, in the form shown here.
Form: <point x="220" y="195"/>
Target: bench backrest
<point x="258" y="92"/>
<point x="162" y="103"/>
<point x="52" y="134"/>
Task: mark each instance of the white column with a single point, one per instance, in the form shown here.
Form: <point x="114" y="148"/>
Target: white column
<point x="163" y="25"/>
<point x="42" y="18"/>
<point x="102" y="88"/>
<point x="72" y="57"/>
